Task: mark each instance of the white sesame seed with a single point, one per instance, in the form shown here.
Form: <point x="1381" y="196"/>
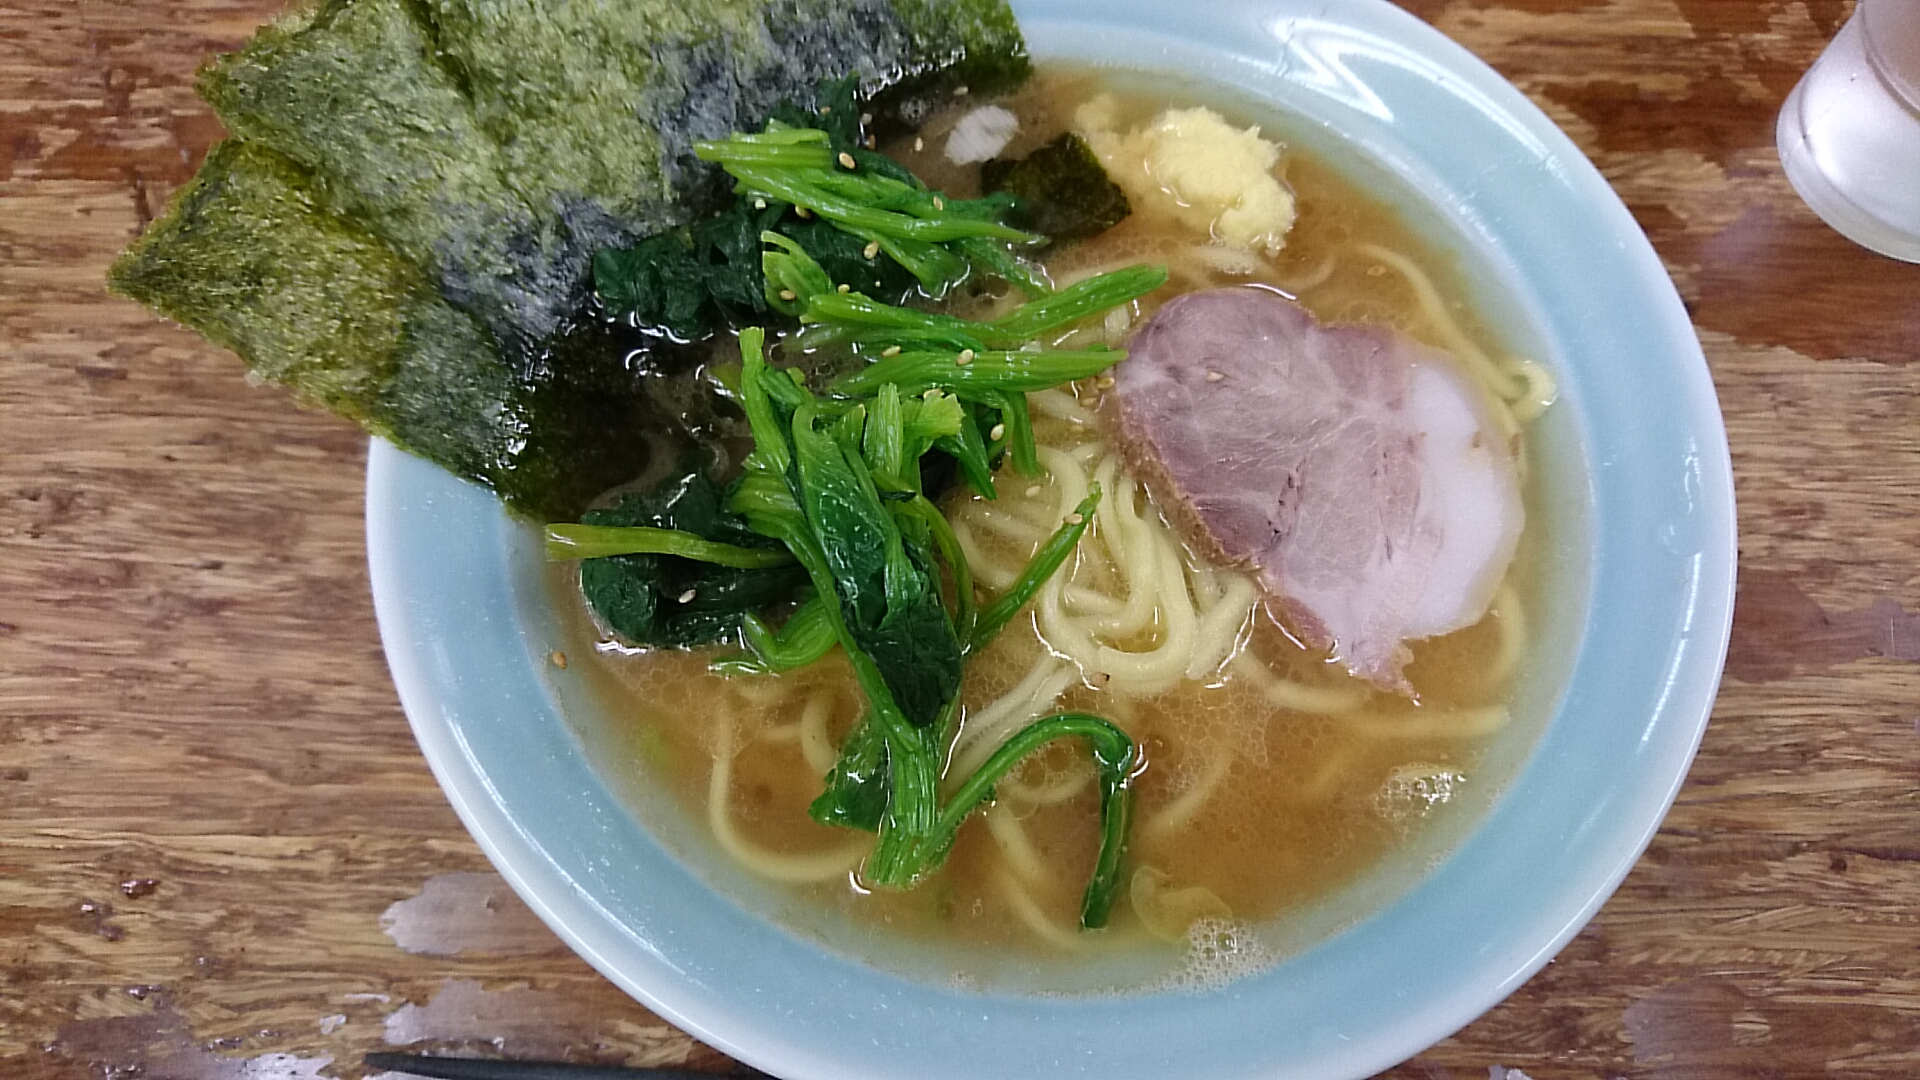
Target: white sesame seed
<point x="845" y="289"/>
<point x="891" y="350"/>
<point x="1214" y="376"/>
<point x="1076" y="519"/>
<point x="687" y="597"/>
<point x="961" y="91"/>
<point x="1104" y="382"/>
<point x="997" y="432"/>
<point x="846" y="160"/>
<point x="919" y="144"/>
<point x="939" y="203"/>
<point x="866" y="118"/>
<point x="803" y="211"/>
<point x="872" y="250"/>
<point x="788" y="294"/>
<point x="965" y="357"/>
<point x="759" y="204"/>
<point x="825" y="109"/>
<point x="1033" y="492"/>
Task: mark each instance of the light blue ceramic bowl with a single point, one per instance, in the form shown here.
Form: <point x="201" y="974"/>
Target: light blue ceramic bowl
<point x="1642" y="460"/>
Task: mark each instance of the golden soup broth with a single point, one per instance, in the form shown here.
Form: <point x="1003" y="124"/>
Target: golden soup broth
<point x="1272" y="780"/>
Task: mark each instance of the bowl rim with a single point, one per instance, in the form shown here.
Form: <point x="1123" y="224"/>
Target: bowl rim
<point x="448" y="571"/>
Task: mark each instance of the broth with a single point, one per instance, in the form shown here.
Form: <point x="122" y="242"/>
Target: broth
<point x="1274" y="782"/>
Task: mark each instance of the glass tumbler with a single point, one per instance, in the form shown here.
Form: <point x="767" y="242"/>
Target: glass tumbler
<point x="1849" y="134"/>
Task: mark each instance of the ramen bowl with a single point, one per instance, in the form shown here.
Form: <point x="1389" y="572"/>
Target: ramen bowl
<point x="1640" y="612"/>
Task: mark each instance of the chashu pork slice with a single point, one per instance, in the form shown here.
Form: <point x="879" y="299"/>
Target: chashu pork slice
<point x="1360" y="474"/>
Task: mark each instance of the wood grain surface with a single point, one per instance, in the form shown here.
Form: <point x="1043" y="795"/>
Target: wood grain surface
<point x="222" y="857"/>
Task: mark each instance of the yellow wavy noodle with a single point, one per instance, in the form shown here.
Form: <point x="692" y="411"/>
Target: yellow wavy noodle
<point x="1035" y="918"/>
<point x="1523" y="387"/>
<point x="794" y="867"/>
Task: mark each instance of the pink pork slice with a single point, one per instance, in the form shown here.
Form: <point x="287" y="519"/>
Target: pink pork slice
<point x="1360" y="474"/>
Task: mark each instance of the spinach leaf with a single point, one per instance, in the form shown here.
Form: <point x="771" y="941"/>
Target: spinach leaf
<point x="1115" y="758"/>
<point x="889" y="594"/>
<point x="844" y="257"/>
<point x="857" y="786"/>
<point x="667" y="600"/>
<point x="658" y="283"/>
<point x="874" y="200"/>
<point x="840" y="111"/>
<point x="836" y="111"/>
<point x="728" y="246"/>
<point x="828" y="479"/>
<point x="917" y="371"/>
<point x="689" y="283"/>
<point x="603" y="541"/>
<point x="1042" y="566"/>
<point x="807" y="635"/>
<point x="851" y="316"/>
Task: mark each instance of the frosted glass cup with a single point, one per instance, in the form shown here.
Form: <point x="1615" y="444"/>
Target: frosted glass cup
<point x="1849" y="134"/>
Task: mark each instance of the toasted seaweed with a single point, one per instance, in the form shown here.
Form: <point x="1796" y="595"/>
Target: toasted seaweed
<point x="497" y="144"/>
<point x="247" y="258"/>
<point x="978" y="41"/>
<point x="597" y="105"/>
<point x="404" y="226"/>
<point x="1063" y="191"/>
<point x="355" y="95"/>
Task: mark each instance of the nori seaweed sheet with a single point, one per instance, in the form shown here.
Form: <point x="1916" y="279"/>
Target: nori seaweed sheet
<point x="498" y="143"/>
<point x="403" y="226"/>
<point x="353" y="93"/>
<point x="1064" y="192"/>
<point x="248" y="257"/>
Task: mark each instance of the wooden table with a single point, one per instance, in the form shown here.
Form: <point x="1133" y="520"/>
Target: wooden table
<point x="221" y="855"/>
